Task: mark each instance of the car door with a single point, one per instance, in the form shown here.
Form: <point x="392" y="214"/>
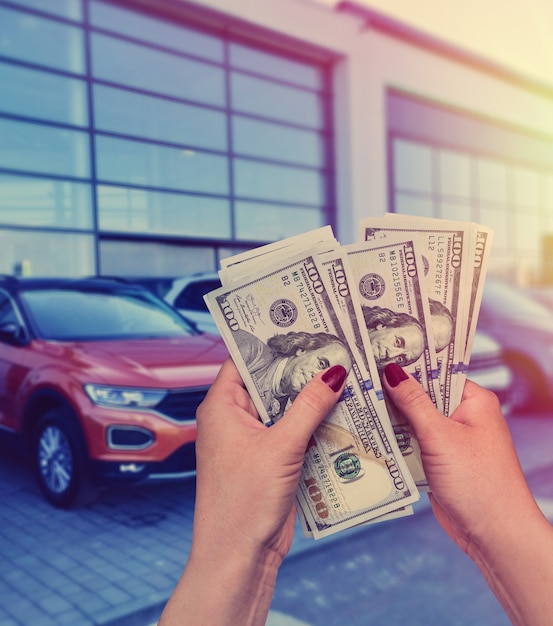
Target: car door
<point x="12" y="363"/>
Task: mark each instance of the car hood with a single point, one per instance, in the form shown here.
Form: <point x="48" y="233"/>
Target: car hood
<point x="171" y="362"/>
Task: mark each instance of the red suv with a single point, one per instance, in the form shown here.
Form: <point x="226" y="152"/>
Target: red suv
<point x="100" y="379"/>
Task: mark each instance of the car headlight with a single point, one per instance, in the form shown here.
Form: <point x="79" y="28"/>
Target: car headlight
<point x="124" y="397"/>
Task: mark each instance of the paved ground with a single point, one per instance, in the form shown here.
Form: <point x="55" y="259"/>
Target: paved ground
<point x="115" y="561"/>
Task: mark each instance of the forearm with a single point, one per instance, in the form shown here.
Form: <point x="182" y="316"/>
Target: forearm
<point x="520" y="572"/>
<point x="222" y="590"/>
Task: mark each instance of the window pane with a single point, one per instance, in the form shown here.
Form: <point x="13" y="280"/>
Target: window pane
<point x="262" y="222"/>
<point x="274" y="141"/>
<point x="303" y="74"/>
<point x="65" y="8"/>
<point x="492" y="180"/>
<point x="411" y="205"/>
<point x="527" y="231"/>
<point x="527" y="187"/>
<point x="47" y="254"/>
<point x="42" y="202"/>
<point x="129" y="113"/>
<point x="44" y="149"/>
<point x="261" y="97"/>
<point x="127" y="258"/>
<point x="138" y="163"/>
<point x="130" y="64"/>
<point x="137" y="210"/>
<point x="275" y="182"/>
<point x="156" y="31"/>
<point x="456" y="211"/>
<point x="412" y="167"/>
<point x="42" y="95"/>
<point x="41" y="40"/>
<point x="498" y="220"/>
<point x="454" y="174"/>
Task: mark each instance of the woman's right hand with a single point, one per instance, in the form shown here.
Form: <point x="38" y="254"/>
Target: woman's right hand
<point x="480" y="496"/>
<point x="469" y="459"/>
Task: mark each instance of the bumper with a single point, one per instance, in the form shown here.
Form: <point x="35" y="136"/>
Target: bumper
<point x="180" y="464"/>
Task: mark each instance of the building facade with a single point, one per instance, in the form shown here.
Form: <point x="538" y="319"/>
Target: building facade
<point x="144" y="137"/>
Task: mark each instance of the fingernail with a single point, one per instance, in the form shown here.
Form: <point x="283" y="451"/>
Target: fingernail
<point x="334" y="377"/>
<point x="394" y="374"/>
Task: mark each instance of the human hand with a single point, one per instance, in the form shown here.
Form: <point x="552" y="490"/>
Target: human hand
<point x="247" y="474"/>
<point x="244" y="517"/>
<point x="469" y="459"/>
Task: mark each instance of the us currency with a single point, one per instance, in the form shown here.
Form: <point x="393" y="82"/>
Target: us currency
<point x="245" y="262"/>
<point x="389" y="279"/>
<point x="481" y="243"/>
<point x="445" y="247"/>
<point x="352" y="472"/>
<point x="337" y="275"/>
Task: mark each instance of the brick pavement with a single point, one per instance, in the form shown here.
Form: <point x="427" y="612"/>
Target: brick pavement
<point x="114" y="561"/>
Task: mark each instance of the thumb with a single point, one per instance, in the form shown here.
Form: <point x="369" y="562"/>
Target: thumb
<point x="313" y="404"/>
<point x="411" y="400"/>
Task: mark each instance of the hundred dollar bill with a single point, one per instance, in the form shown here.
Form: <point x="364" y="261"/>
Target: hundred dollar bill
<point x="481" y="243"/>
<point x="280" y="327"/>
<point x="337" y="275"/>
<point x="445" y="246"/>
<point x="389" y="278"/>
<point x="245" y="262"/>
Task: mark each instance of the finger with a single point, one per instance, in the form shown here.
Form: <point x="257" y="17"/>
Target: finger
<point x="228" y="385"/>
<point x="313" y="404"/>
<point x="229" y="374"/>
<point x="411" y="399"/>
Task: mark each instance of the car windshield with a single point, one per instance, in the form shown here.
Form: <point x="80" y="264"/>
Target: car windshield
<point x="512" y="301"/>
<point x="75" y="315"/>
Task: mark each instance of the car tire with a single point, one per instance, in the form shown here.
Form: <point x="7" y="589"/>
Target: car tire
<point x="526" y="391"/>
<point x="59" y="456"/>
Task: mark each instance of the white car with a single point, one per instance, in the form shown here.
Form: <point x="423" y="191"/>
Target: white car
<point x="186" y="294"/>
<point x="489" y="369"/>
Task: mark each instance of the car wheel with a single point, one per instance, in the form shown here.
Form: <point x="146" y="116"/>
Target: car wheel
<point x="526" y="391"/>
<point x="59" y="457"/>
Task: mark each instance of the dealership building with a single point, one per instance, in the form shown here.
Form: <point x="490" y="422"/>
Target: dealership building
<point x="155" y="137"/>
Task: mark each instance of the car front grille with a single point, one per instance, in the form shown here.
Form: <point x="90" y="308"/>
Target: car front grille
<point x="181" y="405"/>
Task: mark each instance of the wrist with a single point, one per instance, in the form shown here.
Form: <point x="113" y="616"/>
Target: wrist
<point x="518" y="572"/>
<point x="224" y="585"/>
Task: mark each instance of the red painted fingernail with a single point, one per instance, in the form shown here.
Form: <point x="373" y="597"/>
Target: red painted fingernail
<point x="334" y="377"/>
<point x="394" y="374"/>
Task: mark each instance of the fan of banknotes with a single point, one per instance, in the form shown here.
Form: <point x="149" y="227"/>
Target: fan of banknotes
<point x="408" y="292"/>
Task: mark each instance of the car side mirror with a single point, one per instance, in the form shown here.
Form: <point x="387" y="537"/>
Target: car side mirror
<point x="12" y="333"/>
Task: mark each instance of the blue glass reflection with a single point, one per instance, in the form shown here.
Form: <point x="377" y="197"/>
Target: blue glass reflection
<point x="47" y="254"/>
<point x="287" y="70"/>
<point x="41" y="40"/>
<point x="138" y="210"/>
<point x="266" y="222"/>
<point x="130" y="113"/>
<point x="275" y="182"/>
<point x="42" y="95"/>
<point x="159" y="72"/>
<point x="138" y="163"/>
<point x="155" y="31"/>
<point x="261" y="97"/>
<point x="44" y="202"/>
<point x="44" y="149"/>
<point x="71" y="9"/>
<point x="278" y="142"/>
